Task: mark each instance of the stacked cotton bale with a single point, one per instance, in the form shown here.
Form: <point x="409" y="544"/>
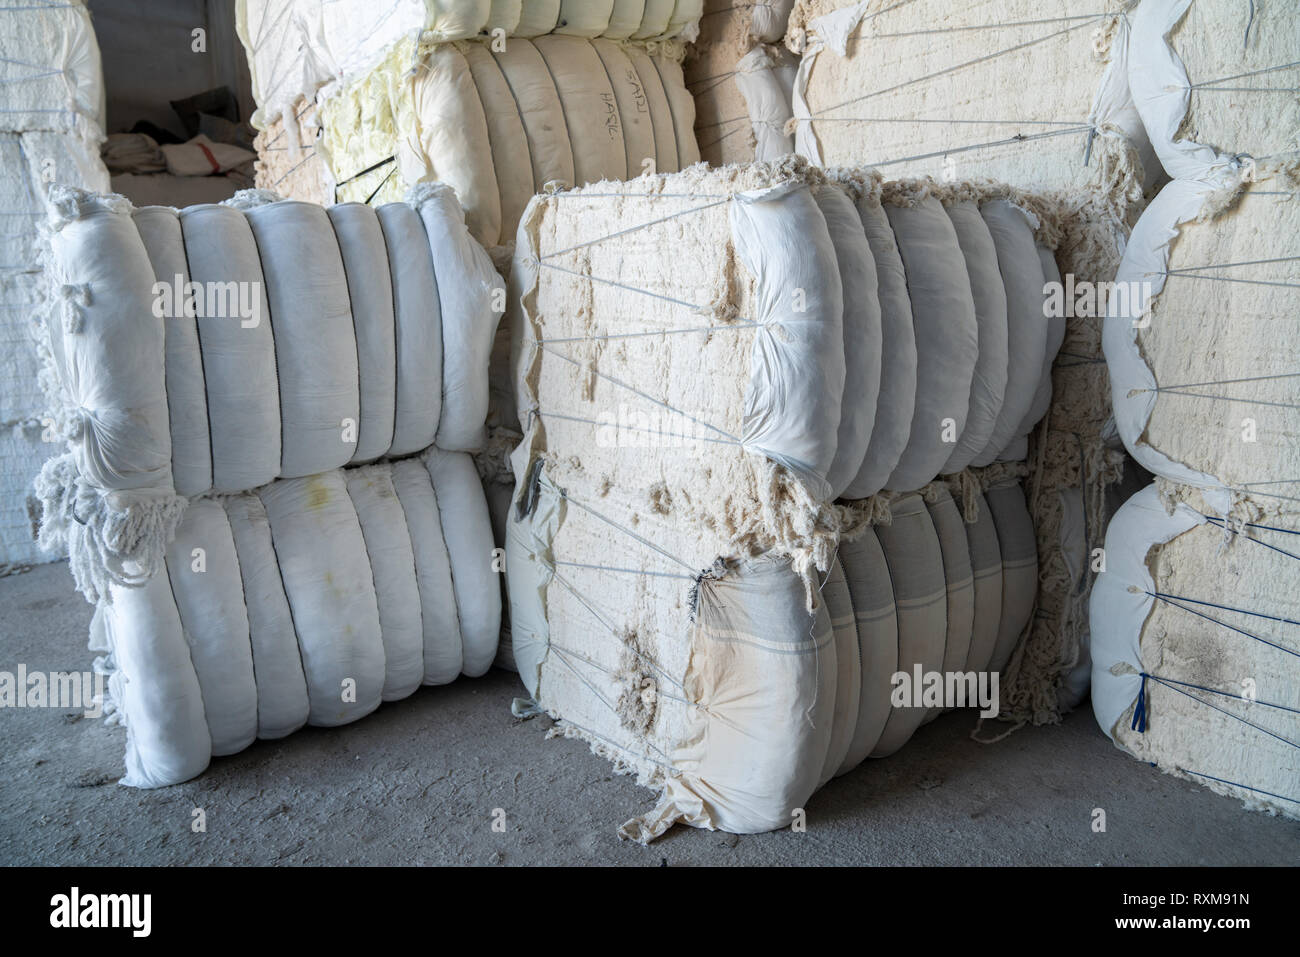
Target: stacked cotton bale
<point x="267" y="491"/>
<point x="494" y="99"/>
<point x="51" y="127"/>
<point x="704" y="363"/>
<point x="288" y="162"/>
<point x="741" y="76"/>
<point x="499" y="124"/>
<point x="1196" y="672"/>
<point x="1036" y="95"/>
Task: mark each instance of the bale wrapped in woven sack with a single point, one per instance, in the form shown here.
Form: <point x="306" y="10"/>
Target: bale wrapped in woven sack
<point x="741" y="79"/>
<point x="51" y="128"/>
<point x="699" y="374"/>
<point x="288" y="163"/>
<point x="1195" y="651"/>
<point x="933" y="87"/>
<point x="267" y="492"/>
<point x="1214" y="80"/>
<point x="1073" y="136"/>
<point x="1202" y="354"/>
<point x="296" y="47"/>
<point x="500" y="124"/>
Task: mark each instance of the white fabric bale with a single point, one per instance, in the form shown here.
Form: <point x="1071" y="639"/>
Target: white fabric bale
<point x="53" y="80"/>
<point x="455" y="19"/>
<point x="315" y="345"/>
<point x="443" y="647"/>
<point x="915" y="558"/>
<point x="328" y="582"/>
<point x="417" y="319"/>
<point x="848" y="670"/>
<point x="1019" y="550"/>
<point x="933" y="87"/>
<point x="872" y="590"/>
<point x="282" y="705"/>
<point x="898" y="354"/>
<point x="958" y="574"/>
<point x="187" y="404"/>
<point x="467" y="531"/>
<point x="1211" y="403"/>
<point x="1213" y="80"/>
<point x="1202" y="612"/>
<point x="365" y="261"/>
<point x="204" y="571"/>
<point x="1022" y="279"/>
<point x="392" y="565"/>
<point x="943" y="318"/>
<point x="986" y="572"/>
<point x="239" y="364"/>
<point x="589" y="111"/>
<point x="862" y="335"/>
<point x="989" y="383"/>
<point x="167" y="737"/>
<point x="108" y="347"/>
<point x="471" y="296"/>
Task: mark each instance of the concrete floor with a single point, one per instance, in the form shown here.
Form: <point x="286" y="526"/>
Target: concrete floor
<point x="417" y="783"/>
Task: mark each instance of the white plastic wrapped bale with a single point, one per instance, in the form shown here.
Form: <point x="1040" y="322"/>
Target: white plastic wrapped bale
<point x="326" y="590"/>
<point x="741" y="84"/>
<point x="1213" y="80"/>
<point x="670" y="510"/>
<point x="1194" y="647"/>
<point x="499" y="124"/>
<point x="1203" y="354"/>
<point x="939" y="88"/>
<point x="304" y="603"/>
<point x="295" y="47"/>
<point x="288" y="162"/>
<point x="51" y="126"/>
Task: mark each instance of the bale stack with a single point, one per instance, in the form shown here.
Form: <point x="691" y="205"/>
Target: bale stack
<point x="704" y="363"/>
<point x="267" y="492"/>
<point x="1196" y="653"/>
<point x="495" y="100"/>
<point x="51" y="128"/>
<point x="741" y="76"/>
<point x="945" y="90"/>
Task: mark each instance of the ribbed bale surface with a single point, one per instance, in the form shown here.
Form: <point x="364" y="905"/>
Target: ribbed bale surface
<point x="500" y="123"/>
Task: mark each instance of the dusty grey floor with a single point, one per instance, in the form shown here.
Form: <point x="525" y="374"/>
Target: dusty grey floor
<point x="418" y="782"/>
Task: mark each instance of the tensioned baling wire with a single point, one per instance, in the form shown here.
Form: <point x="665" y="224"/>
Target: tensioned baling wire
<point x="1211" y="86"/>
<point x="1197" y="272"/>
<point x="1185" y="389"/>
<point x="1139" y="721"/>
